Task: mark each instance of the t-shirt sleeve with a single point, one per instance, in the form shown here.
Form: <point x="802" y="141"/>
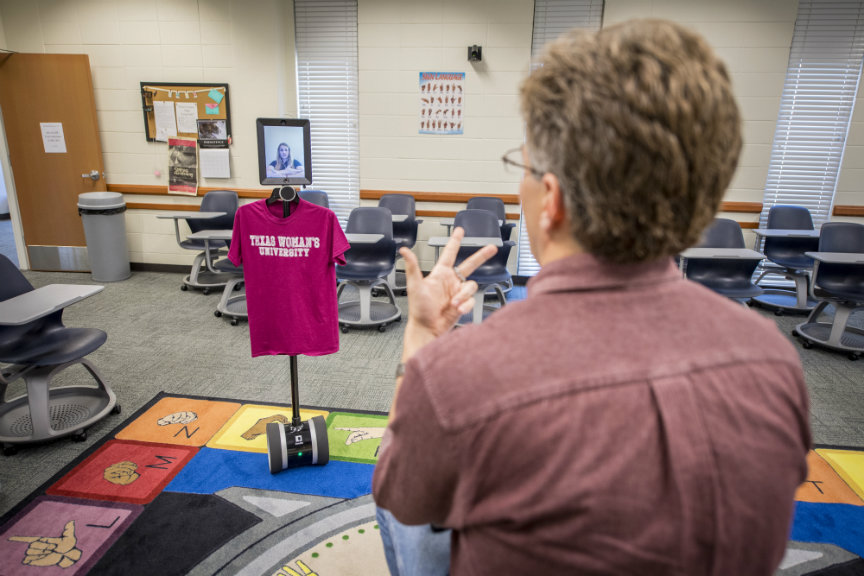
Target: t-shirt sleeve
<point x="235" y="252"/>
<point x="339" y="241"/>
<point x="416" y="477"/>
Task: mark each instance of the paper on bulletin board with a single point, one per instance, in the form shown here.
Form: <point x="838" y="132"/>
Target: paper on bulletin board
<point x="214" y="163"/>
<point x="182" y="166"/>
<point x="187" y="117"/>
<point x="166" y="125"/>
<point x="52" y="137"/>
<point x="441" y="102"/>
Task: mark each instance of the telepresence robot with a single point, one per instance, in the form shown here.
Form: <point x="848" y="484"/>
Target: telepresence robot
<point x="299" y="443"/>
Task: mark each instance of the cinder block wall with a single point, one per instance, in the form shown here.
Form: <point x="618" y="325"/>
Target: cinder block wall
<point x="249" y="45"/>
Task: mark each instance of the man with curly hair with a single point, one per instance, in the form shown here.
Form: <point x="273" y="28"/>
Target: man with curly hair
<point x="621" y="419"/>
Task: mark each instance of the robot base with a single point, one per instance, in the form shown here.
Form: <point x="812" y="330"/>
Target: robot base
<point x="290" y="446"/>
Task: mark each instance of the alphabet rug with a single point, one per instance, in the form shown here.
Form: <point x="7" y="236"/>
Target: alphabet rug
<point x="183" y="487"/>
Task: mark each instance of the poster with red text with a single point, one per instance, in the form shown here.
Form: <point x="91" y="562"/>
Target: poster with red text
<point x="182" y="166"/>
<point x="442" y="98"/>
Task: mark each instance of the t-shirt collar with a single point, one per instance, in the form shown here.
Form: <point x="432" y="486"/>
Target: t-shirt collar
<point x="584" y="272"/>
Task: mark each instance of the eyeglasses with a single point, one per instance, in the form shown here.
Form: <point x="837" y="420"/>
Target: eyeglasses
<point x="512" y="160"/>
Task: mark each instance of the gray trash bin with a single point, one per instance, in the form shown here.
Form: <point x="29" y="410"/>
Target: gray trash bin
<point x="102" y="214"/>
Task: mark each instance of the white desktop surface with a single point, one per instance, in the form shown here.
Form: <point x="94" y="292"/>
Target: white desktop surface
<point x="837" y="257"/>
<point x="210" y="235"/>
<point x="43" y="301"/>
<point x="191" y="215"/>
<point x="742" y="253"/>
<point x="468" y="241"/>
<point x="363" y="238"/>
<point x="784" y="233"/>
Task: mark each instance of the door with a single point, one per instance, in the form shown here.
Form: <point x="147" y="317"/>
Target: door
<point x="49" y="114"/>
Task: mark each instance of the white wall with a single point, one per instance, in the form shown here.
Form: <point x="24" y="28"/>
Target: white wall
<point x="244" y="44"/>
<point x="249" y="45"/>
<point x="397" y="41"/>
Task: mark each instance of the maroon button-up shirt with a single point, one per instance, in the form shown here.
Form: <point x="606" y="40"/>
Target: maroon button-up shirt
<point x="620" y="420"/>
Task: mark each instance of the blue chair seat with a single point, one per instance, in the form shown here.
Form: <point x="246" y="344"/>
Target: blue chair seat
<point x="840" y="286"/>
<point x="35" y="352"/>
<point x="367" y="265"/>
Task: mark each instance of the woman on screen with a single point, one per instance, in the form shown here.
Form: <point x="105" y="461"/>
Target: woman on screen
<point x="285" y="164"/>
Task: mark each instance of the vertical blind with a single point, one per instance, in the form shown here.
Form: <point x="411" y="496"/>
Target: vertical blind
<point x="327" y="86"/>
<point x="552" y="18"/>
<point x="816" y="107"/>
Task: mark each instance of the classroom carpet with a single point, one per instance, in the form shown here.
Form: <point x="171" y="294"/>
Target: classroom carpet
<point x="183" y="487"/>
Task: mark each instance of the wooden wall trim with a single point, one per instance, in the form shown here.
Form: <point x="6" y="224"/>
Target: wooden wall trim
<point x="168" y="207"/>
<point x="849" y="211"/>
<point x="741" y="207"/>
<point x="454" y="197"/>
<point x="152" y="190"/>
<point x="442" y="197"/>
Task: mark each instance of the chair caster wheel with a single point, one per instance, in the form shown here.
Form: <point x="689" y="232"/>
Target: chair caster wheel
<point x="854" y="356"/>
<point x="117" y="409"/>
<point x="237" y="287"/>
<point x="382" y="328"/>
<point x="184" y="288"/>
<point x="344" y="329"/>
<point x="234" y="322"/>
<point x="778" y="312"/>
<point x="217" y="314"/>
<point x="10" y="450"/>
<point x="206" y="291"/>
<point x="807" y="344"/>
<point x="80" y="436"/>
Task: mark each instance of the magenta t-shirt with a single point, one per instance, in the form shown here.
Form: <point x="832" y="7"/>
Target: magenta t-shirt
<point x="289" y="267"/>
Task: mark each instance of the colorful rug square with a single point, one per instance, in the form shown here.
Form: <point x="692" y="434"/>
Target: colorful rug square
<point x="60" y="536"/>
<point x="250" y="470"/>
<point x="182" y="421"/>
<point x="244" y="431"/>
<point x="849" y="464"/>
<point x="824" y="485"/>
<point x="124" y="471"/>
<point x="355" y="437"/>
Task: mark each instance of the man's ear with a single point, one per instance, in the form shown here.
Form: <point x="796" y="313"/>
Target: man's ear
<point x="554" y="211"/>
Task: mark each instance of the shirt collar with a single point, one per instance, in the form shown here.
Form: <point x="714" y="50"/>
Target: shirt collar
<point x="584" y="272"/>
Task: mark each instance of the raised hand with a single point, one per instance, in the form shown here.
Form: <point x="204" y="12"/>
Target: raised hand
<point x="436" y="302"/>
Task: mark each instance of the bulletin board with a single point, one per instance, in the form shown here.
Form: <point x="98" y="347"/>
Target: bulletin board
<point x="210" y="100"/>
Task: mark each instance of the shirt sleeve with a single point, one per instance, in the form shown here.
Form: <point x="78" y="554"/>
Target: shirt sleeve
<point x="235" y="252"/>
<point x="417" y="474"/>
<point x="339" y="241"/>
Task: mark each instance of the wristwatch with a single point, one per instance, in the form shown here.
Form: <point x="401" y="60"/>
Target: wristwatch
<point x="400" y="370"/>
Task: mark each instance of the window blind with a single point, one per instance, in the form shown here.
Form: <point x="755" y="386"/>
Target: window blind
<point x="552" y="18"/>
<point x="327" y="87"/>
<point x="816" y="107"/>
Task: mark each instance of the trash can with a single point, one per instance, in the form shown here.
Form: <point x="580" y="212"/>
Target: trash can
<point x="105" y="231"/>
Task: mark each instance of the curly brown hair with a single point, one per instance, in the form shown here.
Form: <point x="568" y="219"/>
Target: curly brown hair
<point x="639" y="124"/>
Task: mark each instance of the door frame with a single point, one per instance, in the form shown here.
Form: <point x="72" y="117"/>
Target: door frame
<point x="12" y="198"/>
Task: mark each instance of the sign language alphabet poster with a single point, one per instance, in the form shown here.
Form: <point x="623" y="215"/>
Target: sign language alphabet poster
<point x="441" y="102"/>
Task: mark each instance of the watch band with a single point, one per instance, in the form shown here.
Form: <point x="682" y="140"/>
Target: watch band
<point x="400" y="370"/>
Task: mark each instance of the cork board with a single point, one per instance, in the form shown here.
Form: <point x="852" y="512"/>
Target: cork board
<point x="205" y="101"/>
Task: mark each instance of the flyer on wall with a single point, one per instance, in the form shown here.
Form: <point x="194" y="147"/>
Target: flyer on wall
<point x="182" y="166"/>
<point x="441" y="102"/>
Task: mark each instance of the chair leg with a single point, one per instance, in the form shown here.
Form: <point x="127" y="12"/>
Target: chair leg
<point x="85" y="404"/>
<point x="841" y="318"/>
<point x="477" y="314"/>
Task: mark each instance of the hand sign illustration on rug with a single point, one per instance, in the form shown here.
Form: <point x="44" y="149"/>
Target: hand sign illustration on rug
<point x="360" y="434"/>
<point x="47" y="551"/>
